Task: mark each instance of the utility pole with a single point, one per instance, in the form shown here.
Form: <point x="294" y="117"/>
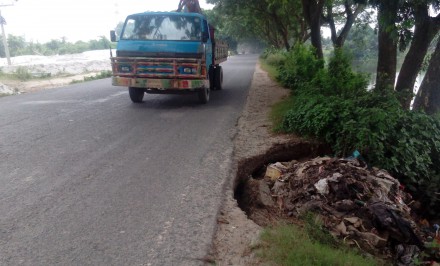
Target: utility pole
<point x="5" y="40"/>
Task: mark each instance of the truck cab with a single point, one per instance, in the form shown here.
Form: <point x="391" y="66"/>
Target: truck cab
<point x="168" y="52"/>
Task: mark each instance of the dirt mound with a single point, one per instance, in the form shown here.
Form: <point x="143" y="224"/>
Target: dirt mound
<point x="52" y="71"/>
<point x="363" y="207"/>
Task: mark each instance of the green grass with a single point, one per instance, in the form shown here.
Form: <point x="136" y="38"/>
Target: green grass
<point x="278" y="112"/>
<point x="279" y="109"/>
<point x="102" y="75"/>
<point x="270" y="69"/>
<point x="291" y="245"/>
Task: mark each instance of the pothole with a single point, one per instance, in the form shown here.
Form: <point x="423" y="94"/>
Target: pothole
<point x="246" y="191"/>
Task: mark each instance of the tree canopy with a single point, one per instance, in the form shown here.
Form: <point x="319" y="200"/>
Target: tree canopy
<point x="404" y="27"/>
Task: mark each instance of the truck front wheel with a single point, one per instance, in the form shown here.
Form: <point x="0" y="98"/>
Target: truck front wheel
<point x="136" y="94"/>
<point x="204" y="95"/>
<point x="218" y="78"/>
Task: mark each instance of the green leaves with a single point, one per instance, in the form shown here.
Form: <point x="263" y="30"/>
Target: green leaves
<point x="299" y="68"/>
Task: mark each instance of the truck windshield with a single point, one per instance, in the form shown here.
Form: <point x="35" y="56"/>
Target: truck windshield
<point x="162" y="27"/>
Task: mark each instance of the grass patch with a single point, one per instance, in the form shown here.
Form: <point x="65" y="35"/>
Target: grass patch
<point x="278" y="113"/>
<point x="271" y="70"/>
<point x="279" y="110"/>
<point x="291" y="245"/>
<point x="22" y="73"/>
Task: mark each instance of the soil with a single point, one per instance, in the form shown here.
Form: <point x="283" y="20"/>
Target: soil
<point x="254" y="146"/>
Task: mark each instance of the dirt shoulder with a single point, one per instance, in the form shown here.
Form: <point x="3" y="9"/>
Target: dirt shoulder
<point x="236" y="234"/>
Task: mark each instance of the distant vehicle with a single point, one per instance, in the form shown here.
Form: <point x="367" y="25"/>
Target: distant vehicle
<point x="168" y="53"/>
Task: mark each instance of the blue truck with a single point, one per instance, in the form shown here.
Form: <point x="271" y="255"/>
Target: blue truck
<point x="168" y="53"/>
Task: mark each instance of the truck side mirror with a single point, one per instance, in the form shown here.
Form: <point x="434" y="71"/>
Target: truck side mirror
<point x="205" y="36"/>
<point x="113" y="36"/>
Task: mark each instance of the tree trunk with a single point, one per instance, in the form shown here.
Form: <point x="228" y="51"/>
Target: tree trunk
<point x="312" y="12"/>
<point x="428" y="98"/>
<point x="282" y="30"/>
<point x="338" y="41"/>
<point x="423" y="34"/>
<point x="387" y="60"/>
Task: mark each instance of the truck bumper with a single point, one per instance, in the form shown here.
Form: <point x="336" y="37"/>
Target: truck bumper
<point x="172" y="84"/>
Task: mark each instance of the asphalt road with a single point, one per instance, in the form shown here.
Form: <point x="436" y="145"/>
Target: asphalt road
<point x="89" y="178"/>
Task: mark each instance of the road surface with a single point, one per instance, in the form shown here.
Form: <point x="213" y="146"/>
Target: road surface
<point x="89" y="178"/>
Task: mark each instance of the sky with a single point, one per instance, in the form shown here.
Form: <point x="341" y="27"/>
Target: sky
<point x="44" y="20"/>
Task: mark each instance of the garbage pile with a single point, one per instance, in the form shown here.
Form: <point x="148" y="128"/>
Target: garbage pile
<point x="362" y="207"/>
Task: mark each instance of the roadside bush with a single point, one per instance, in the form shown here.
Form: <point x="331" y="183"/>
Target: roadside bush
<point x="413" y="155"/>
<point x="336" y="107"/>
<point x="299" y="68"/>
<point x="22" y="73"/>
<point x="268" y="51"/>
<point x="339" y="79"/>
<point x="276" y="59"/>
<point x="273" y="56"/>
<point x="346" y="124"/>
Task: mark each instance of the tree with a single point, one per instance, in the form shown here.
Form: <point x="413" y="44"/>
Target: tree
<point x="387" y="39"/>
<point x="312" y="10"/>
<point x="426" y="27"/>
<point x="362" y="44"/>
<point x="277" y="22"/>
<point x="16" y="44"/>
<point x="344" y="12"/>
<point x="54" y="45"/>
<point x="428" y="97"/>
<point x="102" y="43"/>
<point x="215" y="19"/>
<point x="2" y="48"/>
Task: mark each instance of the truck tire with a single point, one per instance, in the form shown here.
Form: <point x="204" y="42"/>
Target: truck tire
<point x="136" y="94"/>
<point x="211" y="76"/>
<point x="204" y="95"/>
<point x="218" y="78"/>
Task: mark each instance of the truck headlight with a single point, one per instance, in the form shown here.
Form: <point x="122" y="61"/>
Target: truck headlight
<point x="188" y="70"/>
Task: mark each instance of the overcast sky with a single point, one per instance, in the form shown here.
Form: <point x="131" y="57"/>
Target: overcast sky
<point x="43" y="20"/>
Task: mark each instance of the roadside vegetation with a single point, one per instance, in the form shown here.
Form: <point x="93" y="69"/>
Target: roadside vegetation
<point x="23" y="74"/>
<point x="102" y="75"/>
<point x="19" y="46"/>
<point x="383" y="114"/>
<point x="308" y="244"/>
<point x="331" y="102"/>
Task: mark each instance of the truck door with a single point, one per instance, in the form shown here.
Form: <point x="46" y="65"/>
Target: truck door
<point x="208" y="44"/>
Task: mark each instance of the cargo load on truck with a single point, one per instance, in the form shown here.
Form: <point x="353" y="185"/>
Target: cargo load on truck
<point x="168" y="53"/>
